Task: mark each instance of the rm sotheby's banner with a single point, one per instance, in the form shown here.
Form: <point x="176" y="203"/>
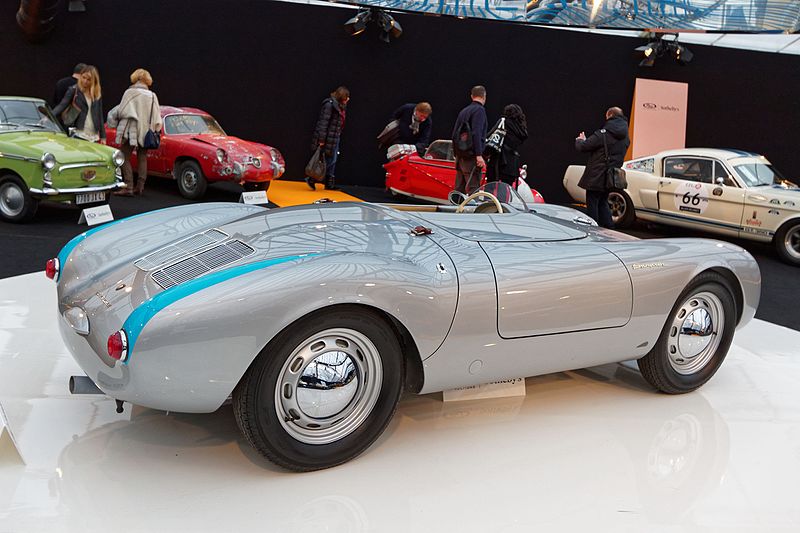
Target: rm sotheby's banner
<point x="658" y="117"/>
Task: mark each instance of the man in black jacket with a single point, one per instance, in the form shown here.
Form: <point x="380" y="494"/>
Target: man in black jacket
<point x="607" y="147"/>
<point x="65" y="83"/>
<point x="414" y="125"/>
<point x="469" y="135"/>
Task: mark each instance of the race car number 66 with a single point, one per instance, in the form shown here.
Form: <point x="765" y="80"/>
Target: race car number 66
<point x="691" y="197"/>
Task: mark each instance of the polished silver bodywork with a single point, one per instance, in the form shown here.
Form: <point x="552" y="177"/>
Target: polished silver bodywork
<point x="482" y="297"/>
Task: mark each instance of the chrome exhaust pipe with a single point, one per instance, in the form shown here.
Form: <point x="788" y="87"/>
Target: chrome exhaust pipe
<point x="83" y="385"/>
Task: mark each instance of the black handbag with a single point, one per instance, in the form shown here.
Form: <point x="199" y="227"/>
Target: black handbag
<point x="615" y="177"/>
<point x="315" y="169"/>
<point x="152" y="139"/>
<point x="71" y="113"/>
<point x="389" y="135"/>
<point x="496" y="138"/>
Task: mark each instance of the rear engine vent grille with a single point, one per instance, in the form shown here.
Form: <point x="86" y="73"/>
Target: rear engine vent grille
<point x="179" y="249"/>
<point x="202" y="263"/>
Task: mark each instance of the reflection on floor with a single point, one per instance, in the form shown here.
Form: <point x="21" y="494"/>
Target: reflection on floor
<point x="593" y="450"/>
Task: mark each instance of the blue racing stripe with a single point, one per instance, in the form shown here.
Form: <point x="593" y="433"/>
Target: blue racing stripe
<point x="140" y="316"/>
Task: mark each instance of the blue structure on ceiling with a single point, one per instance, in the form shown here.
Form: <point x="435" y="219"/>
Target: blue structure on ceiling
<point x="709" y="15"/>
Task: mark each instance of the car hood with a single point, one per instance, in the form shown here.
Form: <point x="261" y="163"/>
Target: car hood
<point x="233" y="146"/>
<point x="778" y="195"/>
<point x="65" y="149"/>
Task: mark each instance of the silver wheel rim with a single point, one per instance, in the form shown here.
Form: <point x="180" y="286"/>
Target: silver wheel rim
<point x="189" y="179"/>
<point x="695" y="333"/>
<point x="12" y="199"/>
<point x="791" y="242"/>
<point x="328" y="386"/>
<point x="616" y="202"/>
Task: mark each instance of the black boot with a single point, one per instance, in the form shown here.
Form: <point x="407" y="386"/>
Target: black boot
<point x="311" y="184"/>
<point x="329" y="185"/>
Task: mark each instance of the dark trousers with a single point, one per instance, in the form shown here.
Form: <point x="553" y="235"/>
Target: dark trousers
<point x="330" y="167"/>
<point x="468" y="174"/>
<point x="597" y="208"/>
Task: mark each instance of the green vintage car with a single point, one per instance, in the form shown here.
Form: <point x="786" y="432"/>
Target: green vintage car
<point x="39" y="161"/>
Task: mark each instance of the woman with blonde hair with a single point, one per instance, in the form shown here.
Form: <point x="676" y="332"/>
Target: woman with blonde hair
<point x="137" y="113"/>
<point x="82" y="106"/>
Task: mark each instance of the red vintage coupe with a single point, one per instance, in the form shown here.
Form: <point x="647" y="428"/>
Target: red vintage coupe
<point x="431" y="177"/>
<point x="195" y="150"/>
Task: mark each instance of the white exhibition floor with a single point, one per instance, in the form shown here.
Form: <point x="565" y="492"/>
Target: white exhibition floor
<point x="593" y="450"/>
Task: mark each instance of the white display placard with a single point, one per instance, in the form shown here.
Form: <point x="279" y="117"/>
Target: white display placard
<point x="497" y="389"/>
<point x="254" y="197"/>
<point x="96" y="215"/>
<point x="9" y="452"/>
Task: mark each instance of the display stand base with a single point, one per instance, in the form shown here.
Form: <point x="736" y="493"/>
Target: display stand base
<point x="9" y="453"/>
<point x="254" y="197"/>
<point x="96" y="215"/>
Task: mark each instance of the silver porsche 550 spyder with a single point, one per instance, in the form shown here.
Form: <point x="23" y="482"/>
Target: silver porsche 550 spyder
<point x="314" y="318"/>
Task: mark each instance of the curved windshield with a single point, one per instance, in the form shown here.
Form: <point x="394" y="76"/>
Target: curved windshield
<point x="191" y="124"/>
<point x="761" y="174"/>
<point x="27" y="115"/>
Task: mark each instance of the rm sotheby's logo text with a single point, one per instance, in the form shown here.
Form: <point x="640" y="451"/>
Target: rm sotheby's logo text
<point x="637" y="266"/>
<point x="651" y="105"/>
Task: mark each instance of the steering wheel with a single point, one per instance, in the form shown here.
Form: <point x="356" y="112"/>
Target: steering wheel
<point x="477" y="194"/>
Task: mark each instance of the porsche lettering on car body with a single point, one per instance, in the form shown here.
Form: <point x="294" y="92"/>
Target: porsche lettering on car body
<point x="195" y="150"/>
<point x="729" y="192"/>
<point x="315" y="318"/>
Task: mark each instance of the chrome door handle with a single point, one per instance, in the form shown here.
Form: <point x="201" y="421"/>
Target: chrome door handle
<point x="664" y="182"/>
<point x="586" y="221"/>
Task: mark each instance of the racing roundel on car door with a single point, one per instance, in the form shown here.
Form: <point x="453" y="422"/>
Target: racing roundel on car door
<point x="691" y="197"/>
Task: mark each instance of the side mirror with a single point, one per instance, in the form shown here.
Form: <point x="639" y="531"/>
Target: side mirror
<point x="72" y="131"/>
<point x="456" y="198"/>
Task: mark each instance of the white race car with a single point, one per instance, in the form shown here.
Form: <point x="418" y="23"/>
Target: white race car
<point x="729" y="192"/>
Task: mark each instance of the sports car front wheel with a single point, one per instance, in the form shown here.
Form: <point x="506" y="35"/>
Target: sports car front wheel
<point x="322" y="391"/>
<point x="695" y="339"/>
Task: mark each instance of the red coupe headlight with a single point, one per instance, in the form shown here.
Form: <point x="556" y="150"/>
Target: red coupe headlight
<point x="118" y="345"/>
<point x="51" y="268"/>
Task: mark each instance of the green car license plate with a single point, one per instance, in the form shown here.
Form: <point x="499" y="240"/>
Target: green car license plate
<point x="90" y="197"/>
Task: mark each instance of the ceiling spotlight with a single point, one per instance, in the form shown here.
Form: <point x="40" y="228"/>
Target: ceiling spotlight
<point x="649" y="52"/>
<point x="388" y="26"/>
<point x="358" y="24"/>
<point x="682" y="54"/>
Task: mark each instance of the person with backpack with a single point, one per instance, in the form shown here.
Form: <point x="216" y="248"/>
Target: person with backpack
<point x="469" y="135"/>
<point x="606" y="147"/>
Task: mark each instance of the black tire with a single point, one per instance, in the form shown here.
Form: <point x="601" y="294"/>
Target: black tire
<point x="16" y="203"/>
<point x="251" y="186"/>
<point x="192" y="183"/>
<point x="622" y="211"/>
<point x="670" y="366"/>
<point x="268" y="402"/>
<point x="787" y="242"/>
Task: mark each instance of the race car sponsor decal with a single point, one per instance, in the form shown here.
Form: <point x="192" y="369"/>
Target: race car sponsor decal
<point x="691" y="197"/>
<point x="754" y="220"/>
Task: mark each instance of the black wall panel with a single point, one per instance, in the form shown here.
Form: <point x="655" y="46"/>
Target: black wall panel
<point x="262" y="68"/>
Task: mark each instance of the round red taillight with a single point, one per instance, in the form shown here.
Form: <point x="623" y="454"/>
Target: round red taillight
<point x="51" y="268"/>
<point x="118" y="345"/>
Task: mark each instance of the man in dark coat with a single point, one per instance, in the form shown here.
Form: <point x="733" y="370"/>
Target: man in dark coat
<point x="469" y="136"/>
<point x="328" y="132"/>
<point x="414" y="125"/>
<point x="612" y="139"/>
<point x="64" y="84"/>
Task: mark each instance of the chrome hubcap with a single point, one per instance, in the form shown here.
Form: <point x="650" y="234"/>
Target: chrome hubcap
<point x="695" y="333"/>
<point x="328" y="386"/>
<point x="617" y="205"/>
<point x="12" y="199"/>
<point x="792" y="242"/>
<point x="189" y="178"/>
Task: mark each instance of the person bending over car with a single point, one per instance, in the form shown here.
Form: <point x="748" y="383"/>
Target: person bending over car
<point x="414" y="125"/>
<point x="606" y="147"/>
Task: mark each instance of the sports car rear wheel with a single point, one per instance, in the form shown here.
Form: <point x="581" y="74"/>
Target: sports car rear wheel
<point x="191" y="181"/>
<point x="16" y="203"/>
<point x="622" y="212"/>
<point x="322" y="391"/>
<point x="695" y="339"/>
<point x="787" y="242"/>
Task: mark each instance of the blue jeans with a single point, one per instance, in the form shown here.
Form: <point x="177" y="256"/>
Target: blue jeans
<point x="597" y="208"/>
<point x="330" y="165"/>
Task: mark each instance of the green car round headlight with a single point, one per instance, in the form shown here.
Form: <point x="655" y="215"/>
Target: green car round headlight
<point x="118" y="158"/>
<point x="48" y="161"/>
